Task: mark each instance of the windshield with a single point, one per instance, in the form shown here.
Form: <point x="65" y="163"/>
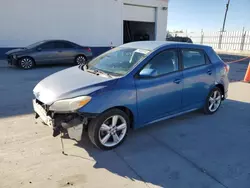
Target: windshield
<point x="118" y="61"/>
<point x="35" y="44"/>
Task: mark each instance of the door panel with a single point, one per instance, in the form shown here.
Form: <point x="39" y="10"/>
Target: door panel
<point x="197" y="80"/>
<point x="65" y="52"/>
<point x="46" y="53"/>
<point x="159" y="87"/>
<point x="158" y="97"/>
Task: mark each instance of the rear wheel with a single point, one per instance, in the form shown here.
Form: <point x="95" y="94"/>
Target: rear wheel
<point x="213" y="101"/>
<point x="26" y="63"/>
<point x="109" y="130"/>
<point x="80" y="59"/>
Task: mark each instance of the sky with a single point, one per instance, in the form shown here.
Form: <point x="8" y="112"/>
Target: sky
<point x="194" y="15"/>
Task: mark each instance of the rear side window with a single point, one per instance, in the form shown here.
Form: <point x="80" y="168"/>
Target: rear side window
<point x="193" y="58"/>
<point x="63" y="45"/>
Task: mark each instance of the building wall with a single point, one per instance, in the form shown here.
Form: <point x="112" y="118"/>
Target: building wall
<point x="95" y="23"/>
<point x="86" y="22"/>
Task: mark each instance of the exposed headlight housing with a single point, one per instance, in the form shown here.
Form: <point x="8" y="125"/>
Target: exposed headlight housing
<point x="70" y="105"/>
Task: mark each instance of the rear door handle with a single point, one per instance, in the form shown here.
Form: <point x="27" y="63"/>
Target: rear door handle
<point x="209" y="72"/>
<point x="177" y="81"/>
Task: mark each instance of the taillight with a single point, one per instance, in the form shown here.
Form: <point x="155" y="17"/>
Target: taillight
<point x="88" y="49"/>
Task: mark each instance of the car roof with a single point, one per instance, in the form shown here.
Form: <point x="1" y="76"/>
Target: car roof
<point x="56" y="40"/>
<point x="153" y="45"/>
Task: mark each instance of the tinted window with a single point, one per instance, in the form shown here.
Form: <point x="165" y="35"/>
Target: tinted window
<point x="193" y="58"/>
<point x="163" y="63"/>
<point x="63" y="45"/>
<point x="48" y="45"/>
<point x="35" y="44"/>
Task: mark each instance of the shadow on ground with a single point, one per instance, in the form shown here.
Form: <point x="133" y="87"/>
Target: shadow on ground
<point x="193" y="150"/>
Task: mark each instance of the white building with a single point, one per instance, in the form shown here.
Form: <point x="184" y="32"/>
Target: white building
<point x="95" y="23"/>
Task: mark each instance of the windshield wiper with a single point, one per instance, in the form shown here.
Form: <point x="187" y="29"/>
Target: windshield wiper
<point x="102" y="72"/>
<point x="95" y="71"/>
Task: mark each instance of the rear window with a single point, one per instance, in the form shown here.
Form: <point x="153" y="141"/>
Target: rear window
<point x="193" y="58"/>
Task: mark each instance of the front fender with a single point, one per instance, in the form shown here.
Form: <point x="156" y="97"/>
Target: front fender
<point x="122" y="94"/>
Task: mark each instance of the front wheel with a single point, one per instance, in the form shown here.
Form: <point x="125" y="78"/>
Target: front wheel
<point x="213" y="101"/>
<point x="109" y="130"/>
<point x="26" y="63"/>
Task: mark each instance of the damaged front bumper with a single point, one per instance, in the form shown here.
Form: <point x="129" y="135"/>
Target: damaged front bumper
<point x="73" y="123"/>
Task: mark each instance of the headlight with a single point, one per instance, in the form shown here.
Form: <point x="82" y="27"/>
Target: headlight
<point x="14" y="56"/>
<point x="70" y="104"/>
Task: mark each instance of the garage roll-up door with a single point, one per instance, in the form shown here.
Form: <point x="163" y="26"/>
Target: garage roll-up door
<point x="138" y="13"/>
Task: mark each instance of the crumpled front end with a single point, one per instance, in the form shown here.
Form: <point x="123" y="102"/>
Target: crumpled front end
<point x="71" y="122"/>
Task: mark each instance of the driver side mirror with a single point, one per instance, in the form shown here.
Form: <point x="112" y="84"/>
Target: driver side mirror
<point x="39" y="49"/>
<point x="147" y="73"/>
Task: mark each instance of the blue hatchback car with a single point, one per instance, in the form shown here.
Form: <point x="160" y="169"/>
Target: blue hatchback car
<point x="131" y="86"/>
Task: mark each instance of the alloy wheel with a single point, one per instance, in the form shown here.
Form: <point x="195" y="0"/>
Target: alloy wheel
<point x="214" y="101"/>
<point x="112" y="131"/>
<point x="26" y="63"/>
<point x="80" y="60"/>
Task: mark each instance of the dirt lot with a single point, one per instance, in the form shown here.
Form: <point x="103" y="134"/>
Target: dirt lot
<point x="191" y="151"/>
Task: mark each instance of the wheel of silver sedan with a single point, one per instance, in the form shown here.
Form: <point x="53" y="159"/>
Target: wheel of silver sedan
<point x="112" y="131"/>
<point x="80" y="60"/>
<point x="214" y="101"/>
<point x="26" y="63"/>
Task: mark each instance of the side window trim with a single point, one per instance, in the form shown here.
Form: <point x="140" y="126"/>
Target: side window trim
<point x="177" y="50"/>
<point x="193" y="49"/>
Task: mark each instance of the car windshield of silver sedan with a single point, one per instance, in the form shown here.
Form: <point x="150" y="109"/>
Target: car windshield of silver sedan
<point x="117" y="62"/>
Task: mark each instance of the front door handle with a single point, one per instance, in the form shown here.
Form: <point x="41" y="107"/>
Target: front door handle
<point x="177" y="81"/>
<point x="209" y="72"/>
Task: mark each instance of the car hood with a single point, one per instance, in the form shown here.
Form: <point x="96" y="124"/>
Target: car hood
<point x="18" y="50"/>
<point x="69" y="83"/>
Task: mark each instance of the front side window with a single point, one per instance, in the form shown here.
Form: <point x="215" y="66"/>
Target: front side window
<point x="35" y="45"/>
<point x="193" y="58"/>
<point x="48" y="46"/>
<point x="163" y="63"/>
<point x="118" y="61"/>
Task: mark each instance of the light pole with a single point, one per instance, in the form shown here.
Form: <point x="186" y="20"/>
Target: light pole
<point x="225" y="17"/>
<point x="224" y="23"/>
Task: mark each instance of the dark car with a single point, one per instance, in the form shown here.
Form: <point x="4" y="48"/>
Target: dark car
<point x="49" y="52"/>
<point x="179" y="39"/>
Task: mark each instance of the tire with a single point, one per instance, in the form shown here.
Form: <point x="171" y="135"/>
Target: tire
<point x="80" y="59"/>
<point x="26" y="63"/>
<point x="98" y="133"/>
<point x="215" y="97"/>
